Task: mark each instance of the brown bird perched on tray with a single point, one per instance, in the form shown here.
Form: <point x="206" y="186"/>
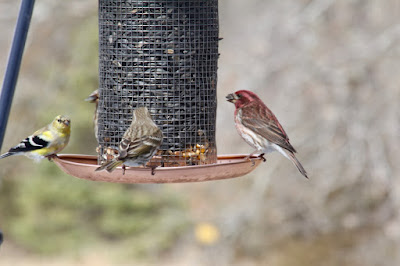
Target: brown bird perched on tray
<point x="94" y="98"/>
<point x="259" y="127"/>
<point x="139" y="143"/>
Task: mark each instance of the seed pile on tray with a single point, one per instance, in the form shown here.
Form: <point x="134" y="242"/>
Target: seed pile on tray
<point x="161" y="54"/>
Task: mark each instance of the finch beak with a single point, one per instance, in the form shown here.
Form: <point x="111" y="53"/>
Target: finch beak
<point x="231" y="98"/>
<point x="91" y="98"/>
<point x="94" y="96"/>
<point x="66" y="122"/>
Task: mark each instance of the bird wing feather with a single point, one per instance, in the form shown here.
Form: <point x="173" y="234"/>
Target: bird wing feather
<point x="140" y="145"/>
<point x="31" y="143"/>
<point x="264" y="123"/>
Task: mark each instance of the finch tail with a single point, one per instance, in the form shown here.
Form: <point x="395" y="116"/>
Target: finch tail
<point x="6" y="155"/>
<point x="110" y="166"/>
<point x="298" y="164"/>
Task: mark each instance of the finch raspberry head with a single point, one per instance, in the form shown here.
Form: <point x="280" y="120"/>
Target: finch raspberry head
<point x="242" y="97"/>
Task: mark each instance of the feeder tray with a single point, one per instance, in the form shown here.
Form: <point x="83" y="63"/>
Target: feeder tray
<point x="227" y="166"/>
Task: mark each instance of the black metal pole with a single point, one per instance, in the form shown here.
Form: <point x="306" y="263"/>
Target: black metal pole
<point x="14" y="63"/>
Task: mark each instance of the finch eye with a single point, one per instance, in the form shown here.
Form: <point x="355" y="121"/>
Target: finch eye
<point x="59" y="120"/>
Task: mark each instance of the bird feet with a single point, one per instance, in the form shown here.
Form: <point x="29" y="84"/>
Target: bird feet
<point x="153" y="170"/>
<point x="51" y="157"/>
<point x="247" y="158"/>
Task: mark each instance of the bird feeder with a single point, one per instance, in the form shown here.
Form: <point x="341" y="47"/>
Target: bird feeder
<point x="162" y="54"/>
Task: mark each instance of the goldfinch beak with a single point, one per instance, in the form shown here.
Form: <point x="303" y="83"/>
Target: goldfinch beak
<point x="66" y="122"/>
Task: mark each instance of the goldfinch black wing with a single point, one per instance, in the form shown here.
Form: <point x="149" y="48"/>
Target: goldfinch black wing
<point x="31" y="143"/>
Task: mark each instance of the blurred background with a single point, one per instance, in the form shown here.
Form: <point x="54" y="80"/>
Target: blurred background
<point x="328" y="69"/>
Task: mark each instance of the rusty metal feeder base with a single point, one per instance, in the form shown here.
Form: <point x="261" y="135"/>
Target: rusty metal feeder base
<point x="227" y="166"/>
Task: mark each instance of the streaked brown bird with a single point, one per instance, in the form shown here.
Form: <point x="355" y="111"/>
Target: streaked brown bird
<point x="259" y="127"/>
<point x="94" y="98"/>
<point x="139" y="143"/>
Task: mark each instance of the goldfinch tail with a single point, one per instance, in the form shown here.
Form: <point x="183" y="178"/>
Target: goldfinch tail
<point x="6" y="155"/>
<point x="110" y="166"/>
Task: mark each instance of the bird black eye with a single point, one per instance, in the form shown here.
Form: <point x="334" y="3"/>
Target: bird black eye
<point x="59" y="120"/>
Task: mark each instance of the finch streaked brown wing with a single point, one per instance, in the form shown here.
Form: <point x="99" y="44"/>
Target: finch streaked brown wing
<point x="139" y="143"/>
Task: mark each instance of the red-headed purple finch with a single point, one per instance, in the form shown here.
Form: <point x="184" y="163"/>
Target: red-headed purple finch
<point x="139" y="143"/>
<point x="258" y="126"/>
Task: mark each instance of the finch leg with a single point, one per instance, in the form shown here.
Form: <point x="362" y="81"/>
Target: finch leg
<point x="51" y="157"/>
<point x="251" y="154"/>
<point x="259" y="156"/>
<point x="123" y="169"/>
<point x="247" y="158"/>
<point x="153" y="170"/>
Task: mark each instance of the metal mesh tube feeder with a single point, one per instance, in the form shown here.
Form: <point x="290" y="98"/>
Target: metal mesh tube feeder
<point x="161" y="54"/>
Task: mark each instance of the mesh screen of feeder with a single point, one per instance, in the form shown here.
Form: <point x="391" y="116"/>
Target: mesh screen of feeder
<point x="163" y="55"/>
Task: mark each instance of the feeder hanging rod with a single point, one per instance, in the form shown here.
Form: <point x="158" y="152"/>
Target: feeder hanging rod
<point x="14" y="63"/>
